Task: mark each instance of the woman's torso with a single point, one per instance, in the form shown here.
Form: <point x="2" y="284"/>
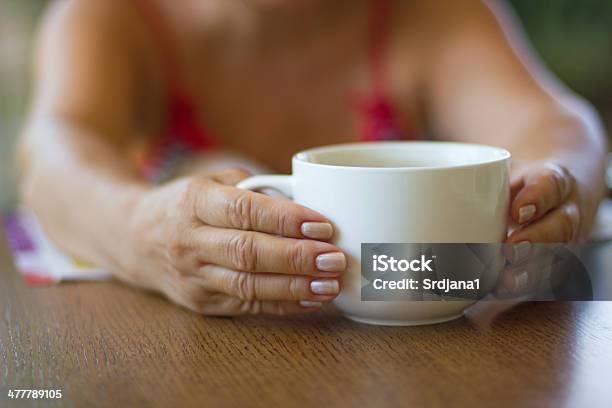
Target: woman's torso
<point x="267" y="94"/>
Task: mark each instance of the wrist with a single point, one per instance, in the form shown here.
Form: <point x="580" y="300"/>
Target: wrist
<point x="131" y="197"/>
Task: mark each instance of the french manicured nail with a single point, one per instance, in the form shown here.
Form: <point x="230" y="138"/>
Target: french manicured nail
<point x="331" y="262"/>
<point x="526" y="212"/>
<point x="325" y="287"/>
<point x="317" y="230"/>
<point x="310" y="303"/>
<point x="520" y="251"/>
<point x="520" y="281"/>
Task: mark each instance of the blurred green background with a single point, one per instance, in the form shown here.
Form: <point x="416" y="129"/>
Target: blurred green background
<point x="574" y="37"/>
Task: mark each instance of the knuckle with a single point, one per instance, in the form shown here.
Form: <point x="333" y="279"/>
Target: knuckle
<point x="567" y="224"/>
<point x="561" y="179"/>
<point x="558" y="184"/>
<point x="293" y="289"/>
<point x="239" y="211"/>
<point x="253" y="307"/>
<point x="562" y="171"/>
<point x="192" y="193"/>
<point x="296" y="257"/>
<point x="244" y="287"/>
<point x="179" y="248"/>
<point x="283" y="218"/>
<point x="242" y="253"/>
<point x="176" y="248"/>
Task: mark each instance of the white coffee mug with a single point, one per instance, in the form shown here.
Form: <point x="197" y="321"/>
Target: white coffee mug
<point x="399" y="192"/>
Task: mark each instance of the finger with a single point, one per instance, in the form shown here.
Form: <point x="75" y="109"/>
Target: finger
<point x="522" y="252"/>
<point x="231" y="306"/>
<point x="560" y="225"/>
<point x="230" y="207"/>
<point x="258" y="252"/>
<point x="515" y="188"/>
<point x="517" y="253"/>
<point x="517" y="282"/>
<point x="248" y="286"/>
<point x="191" y="292"/>
<point x="541" y="192"/>
<point x="280" y="308"/>
<point x="517" y="177"/>
<point x="516" y="185"/>
<point x="231" y="176"/>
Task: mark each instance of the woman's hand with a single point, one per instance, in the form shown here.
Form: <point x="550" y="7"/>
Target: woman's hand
<point x="547" y="207"/>
<point x="546" y="204"/>
<point x="219" y="250"/>
<point x="544" y="209"/>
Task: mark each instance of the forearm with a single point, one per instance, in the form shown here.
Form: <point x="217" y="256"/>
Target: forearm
<point x="81" y="187"/>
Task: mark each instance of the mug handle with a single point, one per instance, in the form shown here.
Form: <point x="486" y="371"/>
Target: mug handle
<point x="282" y="183"/>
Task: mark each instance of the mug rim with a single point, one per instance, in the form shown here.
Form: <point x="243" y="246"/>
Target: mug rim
<point x="301" y="157"/>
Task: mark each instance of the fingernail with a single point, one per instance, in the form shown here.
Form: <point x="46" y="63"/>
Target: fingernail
<point x="520" y="281"/>
<point x="526" y="212"/>
<point x="317" y="230"/>
<point x="325" y="286"/>
<point x="310" y="303"/>
<point x="520" y="251"/>
<point x="331" y="262"/>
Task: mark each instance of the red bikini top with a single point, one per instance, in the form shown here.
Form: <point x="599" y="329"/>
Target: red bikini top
<point x="183" y="133"/>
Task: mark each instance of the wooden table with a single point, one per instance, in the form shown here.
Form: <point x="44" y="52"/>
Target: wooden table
<point x="104" y="344"/>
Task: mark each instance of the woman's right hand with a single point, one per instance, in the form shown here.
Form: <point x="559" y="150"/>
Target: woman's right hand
<point x="220" y="250"/>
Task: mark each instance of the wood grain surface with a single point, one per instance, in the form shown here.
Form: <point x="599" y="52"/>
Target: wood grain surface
<point x="105" y="344"/>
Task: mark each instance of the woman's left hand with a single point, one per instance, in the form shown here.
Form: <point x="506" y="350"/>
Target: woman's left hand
<point x="545" y="208"/>
<point x="545" y="204"/>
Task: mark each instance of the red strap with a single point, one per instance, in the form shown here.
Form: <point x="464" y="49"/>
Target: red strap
<point x="184" y="128"/>
<point x="379" y="121"/>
